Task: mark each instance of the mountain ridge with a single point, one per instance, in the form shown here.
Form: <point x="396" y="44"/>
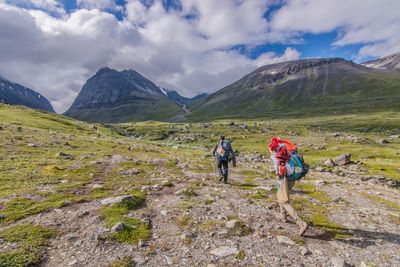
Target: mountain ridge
<point x="391" y="62"/>
<point x="327" y="85"/>
<point x="16" y="94"/>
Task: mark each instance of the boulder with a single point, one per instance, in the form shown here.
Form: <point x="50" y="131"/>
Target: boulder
<point x="329" y="163"/>
<point x="118" y="227"/>
<point x="2" y="216"/>
<point x="116" y="200"/>
<point x="342" y="159"/>
<point x="224" y="251"/>
<point x="383" y="142"/>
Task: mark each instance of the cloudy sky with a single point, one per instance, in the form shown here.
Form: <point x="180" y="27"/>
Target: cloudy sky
<point x="192" y="46"/>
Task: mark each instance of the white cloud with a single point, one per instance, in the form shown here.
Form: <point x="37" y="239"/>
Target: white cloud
<point x="189" y="48"/>
<point x="51" y="6"/>
<point x="99" y="4"/>
<point x="373" y="23"/>
<point x="270" y="58"/>
<point x="56" y="55"/>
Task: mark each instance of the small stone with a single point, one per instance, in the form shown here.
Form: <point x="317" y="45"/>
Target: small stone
<point x="285" y="240"/>
<point x="338" y="262"/>
<point x="2" y="216"/>
<point x="304" y="251"/>
<point x="64" y="155"/>
<point x="258" y="234"/>
<point x="142" y="243"/>
<point x="383" y="142"/>
<point x="231" y="224"/>
<point x="33" y="144"/>
<point x="118" y="227"/>
<point x="131" y="172"/>
<point x="164" y="213"/>
<point x="224" y="251"/>
<point x="96" y="186"/>
<point x="320" y="169"/>
<point x="188" y="235"/>
<point x="319" y="182"/>
<point x="168" y="260"/>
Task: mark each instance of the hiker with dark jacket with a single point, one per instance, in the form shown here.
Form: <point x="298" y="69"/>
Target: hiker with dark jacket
<point x="224" y="153"/>
<point x="280" y="154"/>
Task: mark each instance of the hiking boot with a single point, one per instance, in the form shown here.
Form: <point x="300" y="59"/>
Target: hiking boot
<point x="303" y="228"/>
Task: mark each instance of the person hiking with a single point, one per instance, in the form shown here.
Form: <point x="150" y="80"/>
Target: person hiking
<point x="224" y="153"/>
<point x="289" y="167"/>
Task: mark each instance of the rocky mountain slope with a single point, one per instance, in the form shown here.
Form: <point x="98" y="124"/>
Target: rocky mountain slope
<point x="308" y="86"/>
<point x="113" y="96"/>
<point x="187" y="102"/>
<point x="16" y="94"/>
<point x="391" y="62"/>
<point x="146" y="194"/>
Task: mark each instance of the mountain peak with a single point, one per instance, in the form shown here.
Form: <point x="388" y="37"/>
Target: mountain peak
<point x="104" y="70"/>
<point x="116" y="96"/>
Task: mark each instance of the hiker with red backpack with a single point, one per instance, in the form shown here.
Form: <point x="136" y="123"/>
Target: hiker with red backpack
<point x="224" y="153"/>
<point x="289" y="167"/>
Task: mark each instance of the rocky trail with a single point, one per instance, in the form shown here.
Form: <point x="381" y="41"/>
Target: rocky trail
<point x="198" y="221"/>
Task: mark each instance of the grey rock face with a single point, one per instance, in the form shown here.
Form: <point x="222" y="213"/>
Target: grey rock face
<point x="16" y="94"/>
<point x="119" y="96"/>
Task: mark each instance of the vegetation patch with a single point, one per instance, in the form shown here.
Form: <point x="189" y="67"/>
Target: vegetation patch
<point x="31" y="242"/>
<point x="241" y="255"/>
<point x="239" y="229"/>
<point x="19" y="208"/>
<point x="124" y="262"/>
<point x="135" y="229"/>
<point x="184" y="221"/>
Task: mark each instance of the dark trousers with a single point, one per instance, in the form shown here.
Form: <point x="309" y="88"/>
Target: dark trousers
<point x="223" y="170"/>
